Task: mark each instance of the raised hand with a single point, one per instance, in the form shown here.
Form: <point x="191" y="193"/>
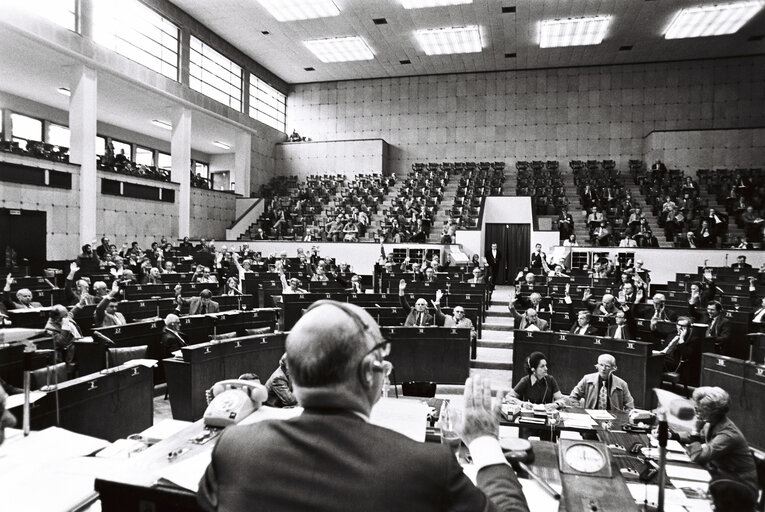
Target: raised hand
<point x="73" y="267"/>
<point x="178" y="288"/>
<point x="480" y="416"/>
<point x="402" y="285"/>
<point x="439" y="294"/>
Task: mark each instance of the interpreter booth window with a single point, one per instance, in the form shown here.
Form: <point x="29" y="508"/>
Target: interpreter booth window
<point x="267" y="105"/>
<point x="164" y="161"/>
<point x="58" y="135"/>
<point x="60" y="12"/>
<point x="144" y="156"/>
<point x="201" y="168"/>
<point x="100" y="145"/>
<point x="137" y="32"/>
<point x="25" y="128"/>
<point x="214" y="75"/>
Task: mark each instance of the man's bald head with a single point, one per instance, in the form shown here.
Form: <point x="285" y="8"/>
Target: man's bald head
<point x="326" y="345"/>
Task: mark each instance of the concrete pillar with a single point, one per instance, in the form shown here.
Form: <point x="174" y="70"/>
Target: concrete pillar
<point x="83" y="105"/>
<point x="242" y="161"/>
<point x="180" y="153"/>
<point x="86" y="19"/>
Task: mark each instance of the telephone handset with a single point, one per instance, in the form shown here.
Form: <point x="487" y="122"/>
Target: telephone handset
<point x="233" y="401"/>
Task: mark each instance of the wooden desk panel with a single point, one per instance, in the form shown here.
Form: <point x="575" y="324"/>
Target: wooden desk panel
<point x="745" y="383"/>
<point x="109" y="405"/>
<point x="207" y="363"/>
<point x="571" y="356"/>
<point x="437" y="354"/>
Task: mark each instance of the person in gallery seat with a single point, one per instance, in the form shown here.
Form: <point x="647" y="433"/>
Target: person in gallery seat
<point x="330" y="458"/>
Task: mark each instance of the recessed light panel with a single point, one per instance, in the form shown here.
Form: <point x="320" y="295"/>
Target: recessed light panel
<point x="292" y="10"/>
<point x="442" y="41"/>
<point x="712" y="20"/>
<point x="162" y="124"/>
<point x="573" y="31"/>
<point x="340" y="49"/>
<point x="221" y="145"/>
<point x="419" y="4"/>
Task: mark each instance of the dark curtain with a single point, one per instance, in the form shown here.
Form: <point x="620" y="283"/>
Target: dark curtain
<point x="23" y="232"/>
<point x="514" y="243"/>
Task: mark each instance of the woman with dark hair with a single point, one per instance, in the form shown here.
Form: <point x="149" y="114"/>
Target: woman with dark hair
<point x="537" y="386"/>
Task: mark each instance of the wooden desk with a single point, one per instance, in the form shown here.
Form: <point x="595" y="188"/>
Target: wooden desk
<point x="571" y="356"/>
<point x="438" y="354"/>
<point x="205" y="364"/>
<point x="745" y="382"/>
<point x="109" y="405"/>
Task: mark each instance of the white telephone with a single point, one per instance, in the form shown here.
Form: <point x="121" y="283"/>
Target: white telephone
<point x="233" y="401"/>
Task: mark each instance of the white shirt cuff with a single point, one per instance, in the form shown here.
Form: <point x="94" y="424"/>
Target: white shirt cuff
<point x="567" y="299"/>
<point x="486" y="451"/>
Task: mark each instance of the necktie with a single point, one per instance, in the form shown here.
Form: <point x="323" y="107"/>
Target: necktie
<point x="603" y="396"/>
<point x="203" y="310"/>
<point x="711" y="329"/>
<point x="419" y="318"/>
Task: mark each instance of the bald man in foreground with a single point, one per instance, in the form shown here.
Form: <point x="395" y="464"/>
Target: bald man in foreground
<point x="332" y="459"/>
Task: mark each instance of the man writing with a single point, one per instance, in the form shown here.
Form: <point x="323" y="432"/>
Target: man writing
<point x="332" y="458"/>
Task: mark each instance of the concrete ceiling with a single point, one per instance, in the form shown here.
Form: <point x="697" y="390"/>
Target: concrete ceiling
<point x="636" y="23"/>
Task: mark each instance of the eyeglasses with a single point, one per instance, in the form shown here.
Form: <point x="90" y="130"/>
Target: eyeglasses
<point x="604" y="366"/>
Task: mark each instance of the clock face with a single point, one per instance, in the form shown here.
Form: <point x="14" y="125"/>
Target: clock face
<point x="584" y="458"/>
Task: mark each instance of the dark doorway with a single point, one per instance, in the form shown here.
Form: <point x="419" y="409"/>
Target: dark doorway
<point x="514" y="245"/>
<point x="22" y="239"/>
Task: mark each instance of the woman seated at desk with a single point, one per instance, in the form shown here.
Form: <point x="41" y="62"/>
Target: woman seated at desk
<point x="537" y="387"/>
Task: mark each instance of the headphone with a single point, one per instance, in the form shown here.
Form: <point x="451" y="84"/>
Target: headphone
<point x="364" y="330"/>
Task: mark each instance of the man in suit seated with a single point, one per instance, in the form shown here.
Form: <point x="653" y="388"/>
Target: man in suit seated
<point x="741" y="263"/>
<point x="106" y="313"/>
<point x="417" y="316"/>
<point x="23" y="297"/>
<point x="331" y="457"/>
<point x="582" y="324"/>
<point x="529" y="320"/>
<point x="279" y="386"/>
<point x="682" y="352"/>
<point x="719" y="329"/>
<point x="458" y="318"/>
<point x="620" y="330"/>
<point x="171" y="341"/>
<point x="603" y="389"/>
<point x="201" y="305"/>
<point x="659" y="311"/>
<point x="606" y="307"/>
<point x="477" y="277"/>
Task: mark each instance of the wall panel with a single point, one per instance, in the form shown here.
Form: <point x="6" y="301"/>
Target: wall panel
<point x="597" y="112"/>
<point x="212" y="212"/>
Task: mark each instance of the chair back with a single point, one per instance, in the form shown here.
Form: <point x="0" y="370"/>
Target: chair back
<point x="732" y="496"/>
<point x="425" y="389"/>
<point x="759" y="462"/>
<point x="48" y="375"/>
<point x="119" y="355"/>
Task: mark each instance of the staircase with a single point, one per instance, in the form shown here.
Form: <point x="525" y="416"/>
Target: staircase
<point x="494" y="359"/>
<point x="444" y="207"/>
<point x="639" y="201"/>
<point x="575" y="209"/>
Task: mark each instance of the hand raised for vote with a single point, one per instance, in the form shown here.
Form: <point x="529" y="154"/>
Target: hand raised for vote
<point x="178" y="289"/>
<point x="439" y="294"/>
<point x="402" y="286"/>
<point x="586" y="295"/>
<point x="8" y="280"/>
<point x="480" y="415"/>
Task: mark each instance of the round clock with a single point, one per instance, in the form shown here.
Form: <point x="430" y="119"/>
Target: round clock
<point x="584" y="458"/>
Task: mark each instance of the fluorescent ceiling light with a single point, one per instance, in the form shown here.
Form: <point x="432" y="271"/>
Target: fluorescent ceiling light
<point x="573" y="31"/>
<point x="290" y="10"/>
<point x="340" y="49"/>
<point x="419" y="4"/>
<point x="64" y="91"/>
<point x="441" y="41"/>
<point x="162" y="124"/>
<point x="221" y="145"/>
<point x="712" y="20"/>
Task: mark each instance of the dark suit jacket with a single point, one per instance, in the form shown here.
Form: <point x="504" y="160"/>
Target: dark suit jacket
<point x="195" y="306"/>
<point x="612" y="330"/>
<point x="411" y="317"/>
<point x="170" y="342"/>
<point x="720" y="332"/>
<point x="332" y="460"/>
<point x="591" y="331"/>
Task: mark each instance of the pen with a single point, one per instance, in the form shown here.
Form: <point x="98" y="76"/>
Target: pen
<point x="538" y="479"/>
